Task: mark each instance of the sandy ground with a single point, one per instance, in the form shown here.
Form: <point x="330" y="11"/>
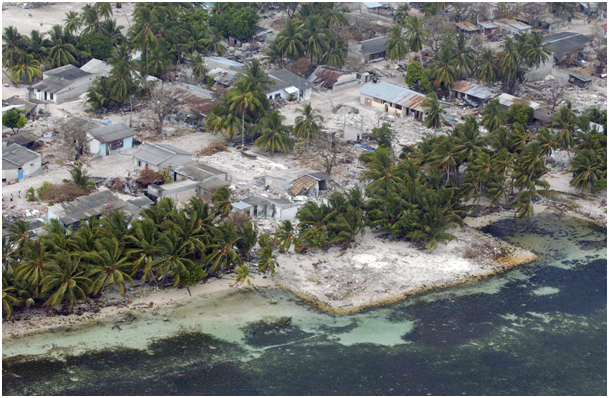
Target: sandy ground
<point x="378" y="271"/>
<point x="159" y="299"/>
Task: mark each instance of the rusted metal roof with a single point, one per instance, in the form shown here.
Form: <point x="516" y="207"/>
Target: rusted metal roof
<point x="326" y="76"/>
<point x="413" y="101"/>
<point x="472" y="89"/>
<point x="394" y="94"/>
<point x="301" y="184"/>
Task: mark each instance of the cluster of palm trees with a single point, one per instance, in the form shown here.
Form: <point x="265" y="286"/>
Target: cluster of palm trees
<point x="167" y="244"/>
<point x="245" y="109"/>
<point x="310" y="34"/>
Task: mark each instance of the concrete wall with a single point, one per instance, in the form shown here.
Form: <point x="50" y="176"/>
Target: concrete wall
<point x="276" y="184"/>
<point x="536" y="74"/>
<point x="32" y="168"/>
<point x="103" y="150"/>
<point x="182" y="159"/>
<point x="305" y="95"/>
<point x="345" y="81"/>
<point x="9" y="175"/>
<point x="93" y="145"/>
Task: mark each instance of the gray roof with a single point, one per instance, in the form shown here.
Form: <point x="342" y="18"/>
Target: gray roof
<point x="97" y="67"/>
<point x="112" y="132"/>
<point x="20" y="139"/>
<point x="487" y="25"/>
<point x="261" y="31"/>
<point x="373" y="46"/>
<point x="52" y="85"/>
<point x="87" y="206"/>
<point x="197" y="171"/>
<point x="14" y="100"/>
<point x="581" y="76"/>
<point x="227" y="62"/>
<point x="394" y="94"/>
<point x="18" y="155"/>
<point x="241" y="205"/>
<point x="283" y="78"/>
<point x="319" y="176"/>
<point x="213" y="183"/>
<point x="67" y="72"/>
<point x="562" y="44"/>
<point x="372" y="4"/>
<point x="255" y="201"/>
<point x="472" y="89"/>
<point x="156" y="154"/>
<point x="141" y="201"/>
<point x="509" y="100"/>
<point x="6" y="165"/>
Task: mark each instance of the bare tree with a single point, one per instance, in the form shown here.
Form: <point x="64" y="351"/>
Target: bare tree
<point x="534" y="12"/>
<point x="164" y="101"/>
<point x="601" y="56"/>
<point x="438" y="26"/>
<point x="556" y="91"/>
<point x="483" y="10"/>
<point x="327" y="148"/>
<point x="72" y="134"/>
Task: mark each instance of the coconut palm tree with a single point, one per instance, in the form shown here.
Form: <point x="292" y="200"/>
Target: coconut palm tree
<point x="222" y="120"/>
<point x="485" y="70"/>
<point x="19" y="232"/>
<point x="241" y="100"/>
<point x="445" y="155"/>
<point x="224" y="257"/>
<point x="396" y="46"/>
<point x="115" y="224"/>
<point x="249" y="237"/>
<point x="430" y="228"/>
<point x="524" y="204"/>
<point x="588" y="168"/>
<point x="113" y="31"/>
<point x="199" y="71"/>
<point x="38" y="46"/>
<point x="316" y="38"/>
<point x="10" y="298"/>
<point x="401" y="13"/>
<point x="80" y="178"/>
<point x="176" y="258"/>
<point x="104" y="9"/>
<point x="122" y="82"/>
<point x="381" y="171"/>
<point x="143" y="33"/>
<point x="533" y="51"/>
<point x="221" y="202"/>
<point x="213" y="42"/>
<point x="13" y="46"/>
<point x="493" y="117"/>
<point x="65" y="280"/>
<point x="110" y="266"/>
<point x="464" y="55"/>
<point x="272" y="52"/>
<point x="509" y="63"/>
<point x="31" y="269"/>
<point x="99" y="95"/>
<point x="73" y="21"/>
<point x="335" y="56"/>
<point x="91" y="19"/>
<point x="566" y="122"/>
<point x="548" y="141"/>
<point x="416" y="33"/>
<point x="28" y="66"/>
<point x="444" y="69"/>
<point x="145" y="245"/>
<point x="62" y="52"/>
<point x="433" y="111"/>
<point x="291" y="41"/>
<point x="188" y="230"/>
<point x="267" y="261"/>
<point x="275" y="136"/>
<point x="307" y="124"/>
<point x="346" y="227"/>
<point x="285" y="236"/>
<point x="333" y="14"/>
<point x="469" y="142"/>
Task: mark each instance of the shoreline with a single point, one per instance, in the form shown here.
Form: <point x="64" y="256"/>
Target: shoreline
<point x="172" y="297"/>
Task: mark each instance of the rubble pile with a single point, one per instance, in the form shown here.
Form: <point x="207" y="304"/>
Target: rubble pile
<point x="236" y="164"/>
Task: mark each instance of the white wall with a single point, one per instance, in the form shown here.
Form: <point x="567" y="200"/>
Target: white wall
<point x="93" y="145"/>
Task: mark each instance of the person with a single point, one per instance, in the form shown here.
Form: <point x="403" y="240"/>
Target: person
<point x="41" y="22"/>
<point x="11" y="198"/>
<point x="19" y="194"/>
<point x="30" y="12"/>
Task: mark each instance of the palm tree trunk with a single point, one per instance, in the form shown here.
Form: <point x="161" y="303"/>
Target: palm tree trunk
<point x="243" y="128"/>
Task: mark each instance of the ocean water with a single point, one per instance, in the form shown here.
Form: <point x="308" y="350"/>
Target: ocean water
<point x="538" y="329"/>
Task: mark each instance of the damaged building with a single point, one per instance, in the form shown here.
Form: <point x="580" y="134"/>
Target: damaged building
<point x="110" y="139"/>
<point x="392" y="99"/>
<point x="157" y="157"/>
<point x="369" y="50"/>
<point x="472" y="93"/>
<point x="257" y="207"/>
<point x="297" y="182"/>
<point x="332" y="78"/>
<point x="61" y="84"/>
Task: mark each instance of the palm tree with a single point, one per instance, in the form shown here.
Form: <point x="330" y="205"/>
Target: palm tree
<point x="213" y="42"/>
<point x="80" y="178"/>
<point x="274" y="134"/>
<point x="381" y="172"/>
<point x="308" y="123"/>
<point x="73" y="21"/>
<point x="121" y="81"/>
<point x="566" y="121"/>
<point x="38" y="46"/>
<point x="396" y="45"/>
<point x="113" y="31"/>
<point x="445" y="155"/>
<point x="189" y="230"/>
<point x="285" y="235"/>
<point x="27" y="66"/>
<point x="416" y="33"/>
<point x="267" y="262"/>
<point x="62" y="52"/>
<point x="346" y="227"/>
<point x="333" y="15"/>
<point x="142" y="34"/>
<point x="199" y="71"/>
<point x="588" y="168"/>
<point x="20" y="236"/>
<point x="524" y="204"/>
<point x="9" y="298"/>
<point x="91" y="19"/>
<point x="478" y="175"/>
<point x="13" y="46"/>
<point x="430" y="228"/>
<point x="316" y="39"/>
<point x="249" y="236"/>
<point x="485" y="71"/>
<point x="221" y="202"/>
<point x="291" y="41"/>
<point x="99" y="95"/>
<point x="115" y="224"/>
<point x="533" y="51"/>
<point x="66" y="280"/>
<point x="401" y="13"/>
<point x="224" y="257"/>
<point x="444" y="69"/>
<point x="433" y="111"/>
<point x="241" y="100"/>
<point x="469" y="142"/>
<point x="255" y="79"/>
<point x="464" y="56"/>
<point x="509" y="63"/>
<point x="273" y="53"/>
<point x="335" y="56"/>
<point x="222" y="120"/>
<point x="493" y="117"/>
<point x="109" y="266"/>
<point x="145" y="244"/>
<point x="104" y="9"/>
<point x="32" y="267"/>
<point x="176" y="258"/>
<point x="548" y="141"/>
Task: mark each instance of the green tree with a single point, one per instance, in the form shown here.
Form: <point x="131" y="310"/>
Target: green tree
<point x="485" y="70"/>
<point x="533" y="51"/>
<point x="274" y="134"/>
<point x="334" y="55"/>
<point x="291" y="41"/>
<point x="396" y="45"/>
<point x="13" y="46"/>
<point x="433" y="110"/>
<point x="464" y="55"/>
<point x="493" y="116"/>
<point x="307" y="124"/>
<point x="267" y="262"/>
<point x="285" y="236"/>
<point x="444" y="69"/>
<point x="383" y="135"/>
<point x="72" y="21"/>
<point x="241" y="99"/>
<point x="110" y="266"/>
<point x="588" y="167"/>
<point x="27" y="66"/>
<point x="224" y="257"/>
<point x="416" y="33"/>
<point x="66" y="281"/>
<point x="566" y="122"/>
<point x="80" y="178"/>
<point x="100" y="44"/>
<point x="414" y="73"/>
<point x="31" y="269"/>
<point x="14" y="119"/>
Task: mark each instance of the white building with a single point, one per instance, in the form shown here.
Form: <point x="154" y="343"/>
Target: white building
<point x="392" y="99"/>
<point x="97" y="68"/>
<point x="106" y="140"/>
<point x="61" y="84"/>
<point x="288" y="86"/>
<point x="157" y="157"/>
<point x="19" y="162"/>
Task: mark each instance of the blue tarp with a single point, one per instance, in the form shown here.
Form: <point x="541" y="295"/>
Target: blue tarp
<point x="366" y="147"/>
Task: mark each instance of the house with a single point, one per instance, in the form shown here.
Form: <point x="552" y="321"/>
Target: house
<point x="26" y="140"/>
<point x="19" y="162"/>
<point x="392" y="99"/>
<point x="488" y="27"/>
<point x="580" y="80"/>
<point x="332" y="78"/>
<point x="262" y="34"/>
<point x="197" y="91"/>
<point x="467" y="27"/>
<point x="158" y="157"/>
<point x="181" y="191"/>
<point x="97" y="68"/>
<point x="198" y="172"/>
<point x="473" y="93"/>
<point x="29" y="108"/>
<point x="136" y="205"/>
<point x="106" y="140"/>
<point x="371" y="7"/>
<point x="95" y="204"/>
<point x="257" y="207"/>
<point x="511" y="26"/>
<point x="372" y="49"/>
<point x="223" y="63"/>
<point x="288" y="86"/>
<point x="282" y="209"/>
<point x="507" y="100"/>
<point x="565" y="45"/>
<point x="297" y="182"/>
<point x="61" y="84"/>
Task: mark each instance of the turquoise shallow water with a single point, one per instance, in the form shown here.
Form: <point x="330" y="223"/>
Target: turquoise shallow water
<point x="539" y="329"/>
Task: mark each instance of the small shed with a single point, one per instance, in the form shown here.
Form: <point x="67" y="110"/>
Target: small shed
<point x="181" y="191"/>
<point x="371" y="6"/>
<point x="282" y="209"/>
<point x="488" y="27"/>
<point x="373" y="49"/>
<point x="580" y="80"/>
<point x="157" y="157"/>
<point x="208" y="187"/>
<point x="19" y="162"/>
<point x="223" y="63"/>
<point x="332" y="78"/>
<point x="28" y="107"/>
<point x="467" y="27"/>
<point x="113" y="138"/>
<point x="507" y="100"/>
<point x="297" y="182"/>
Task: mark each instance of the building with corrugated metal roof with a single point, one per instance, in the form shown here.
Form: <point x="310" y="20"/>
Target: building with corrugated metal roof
<point x="109" y="139"/>
<point x="470" y="91"/>
<point x="392" y="99"/>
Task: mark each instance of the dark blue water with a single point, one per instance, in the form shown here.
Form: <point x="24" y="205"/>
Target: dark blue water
<point x="538" y="330"/>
